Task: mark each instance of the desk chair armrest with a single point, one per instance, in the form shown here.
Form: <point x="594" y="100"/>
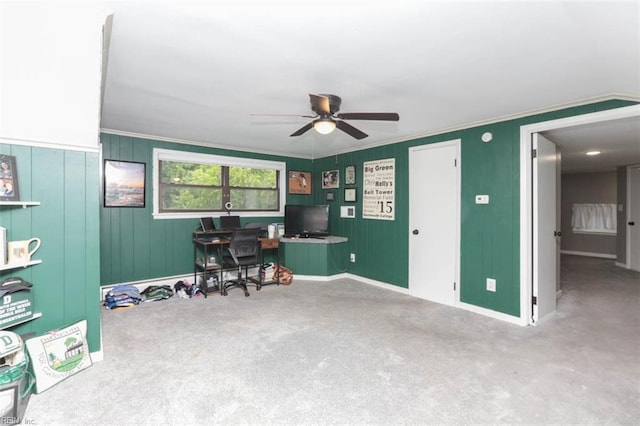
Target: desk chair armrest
<point x="233" y="254"/>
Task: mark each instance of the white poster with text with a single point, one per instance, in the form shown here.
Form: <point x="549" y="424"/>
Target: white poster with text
<point x="378" y="198"/>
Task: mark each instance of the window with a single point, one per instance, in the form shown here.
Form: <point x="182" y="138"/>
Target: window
<point x="599" y="218"/>
<point x="188" y="184"/>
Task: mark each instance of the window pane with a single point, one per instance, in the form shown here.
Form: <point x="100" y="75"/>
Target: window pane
<point x="254" y="199"/>
<point x="190" y="173"/>
<point x="193" y="183"/>
<point x="177" y="197"/>
<point x="252" y="178"/>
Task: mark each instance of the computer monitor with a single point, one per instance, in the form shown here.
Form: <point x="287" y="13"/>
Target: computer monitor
<point x="229" y="223"/>
<point x="306" y="221"/>
<point x="206" y="224"/>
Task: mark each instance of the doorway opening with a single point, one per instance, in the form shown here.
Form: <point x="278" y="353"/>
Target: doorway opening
<point x="527" y="215"/>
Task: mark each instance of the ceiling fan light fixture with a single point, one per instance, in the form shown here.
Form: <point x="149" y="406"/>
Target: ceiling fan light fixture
<point x="324" y="126"/>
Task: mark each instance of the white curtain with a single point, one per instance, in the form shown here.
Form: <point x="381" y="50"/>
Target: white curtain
<point x="594" y="218"/>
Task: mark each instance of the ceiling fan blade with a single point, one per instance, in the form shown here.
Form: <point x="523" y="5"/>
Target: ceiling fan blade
<point x="320" y="104"/>
<point x="302" y="130"/>
<point x="282" y="115"/>
<point x="348" y="128"/>
<point x="385" y="116"/>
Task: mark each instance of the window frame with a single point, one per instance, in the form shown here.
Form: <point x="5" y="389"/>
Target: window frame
<point x="218" y="160"/>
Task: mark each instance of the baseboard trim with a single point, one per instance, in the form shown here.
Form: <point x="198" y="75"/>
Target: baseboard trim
<point x="471" y="308"/>
<point x="622" y="265"/>
<point x="491" y="314"/>
<point x="465" y="306"/>
<point x="589" y="254"/>
<point x="97" y="356"/>
<point x="380" y="284"/>
<point x="324" y="278"/>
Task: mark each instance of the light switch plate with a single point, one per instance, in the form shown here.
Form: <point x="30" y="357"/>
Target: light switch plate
<point x="491" y="284"/>
<point x="482" y="199"/>
<point x="348" y="211"/>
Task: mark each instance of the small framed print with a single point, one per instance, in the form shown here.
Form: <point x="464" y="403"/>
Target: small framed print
<point x="330" y="196"/>
<point x="350" y="195"/>
<point x="8" y="178"/>
<point x="350" y="175"/>
<point x="299" y="182"/>
<point x="330" y="179"/>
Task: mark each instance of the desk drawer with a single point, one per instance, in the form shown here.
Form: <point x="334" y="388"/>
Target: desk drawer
<point x="270" y="243"/>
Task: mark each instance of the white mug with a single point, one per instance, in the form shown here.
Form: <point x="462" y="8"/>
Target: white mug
<point x="18" y="251"/>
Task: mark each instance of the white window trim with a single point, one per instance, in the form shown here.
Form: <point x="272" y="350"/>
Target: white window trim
<point x="595" y="231"/>
<point x="219" y="160"/>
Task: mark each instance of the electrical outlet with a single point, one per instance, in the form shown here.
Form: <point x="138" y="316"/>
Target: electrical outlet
<point x="352" y="258"/>
<point x="491" y="284"/>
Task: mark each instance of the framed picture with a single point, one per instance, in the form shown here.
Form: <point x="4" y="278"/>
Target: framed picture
<point x="350" y="175"/>
<point x="8" y="179"/>
<point x="124" y="183"/>
<point x="330" y="179"/>
<point x="9" y="402"/>
<point x="331" y="196"/>
<point x="299" y="182"/>
<point x="350" y="195"/>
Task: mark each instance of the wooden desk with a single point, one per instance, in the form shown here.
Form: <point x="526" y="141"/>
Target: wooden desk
<point x="216" y="240"/>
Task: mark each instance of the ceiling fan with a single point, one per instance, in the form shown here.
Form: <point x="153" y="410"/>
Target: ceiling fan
<point x="327" y="117"/>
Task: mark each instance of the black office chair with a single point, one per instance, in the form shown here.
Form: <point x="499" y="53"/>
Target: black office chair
<point x="259" y="225"/>
<point x="242" y="253"/>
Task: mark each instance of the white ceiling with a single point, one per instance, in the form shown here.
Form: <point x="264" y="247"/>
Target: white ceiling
<point x="618" y="142"/>
<point x="196" y="71"/>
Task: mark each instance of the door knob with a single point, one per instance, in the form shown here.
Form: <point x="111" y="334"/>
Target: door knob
<point x="632" y="223"/>
<point x="415" y="232"/>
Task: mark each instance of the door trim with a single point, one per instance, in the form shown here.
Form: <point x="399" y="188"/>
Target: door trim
<point x="628" y="217"/>
<point x="456" y="143"/>
<point x="526" y="191"/>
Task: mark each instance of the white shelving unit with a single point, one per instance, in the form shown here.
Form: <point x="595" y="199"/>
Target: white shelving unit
<point x="35" y="316"/>
<point x="19" y="265"/>
<point x="24" y="205"/>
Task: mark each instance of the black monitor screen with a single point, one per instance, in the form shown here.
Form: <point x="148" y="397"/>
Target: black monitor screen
<point x="229" y="222"/>
<point x="206" y="224"/>
<point x="306" y="221"/>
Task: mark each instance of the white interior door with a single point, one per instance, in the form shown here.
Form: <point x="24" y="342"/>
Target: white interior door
<point x="434" y="221"/>
<point x="633" y="218"/>
<point x="545" y="227"/>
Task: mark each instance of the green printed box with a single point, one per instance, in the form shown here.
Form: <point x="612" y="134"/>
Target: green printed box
<point x="15" y="308"/>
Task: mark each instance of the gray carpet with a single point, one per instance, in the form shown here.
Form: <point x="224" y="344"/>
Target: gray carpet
<point x="344" y="352"/>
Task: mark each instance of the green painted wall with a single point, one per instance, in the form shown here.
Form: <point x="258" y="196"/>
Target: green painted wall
<point x="136" y="247"/>
<point x="66" y="286"/>
<point x="490" y="241"/>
